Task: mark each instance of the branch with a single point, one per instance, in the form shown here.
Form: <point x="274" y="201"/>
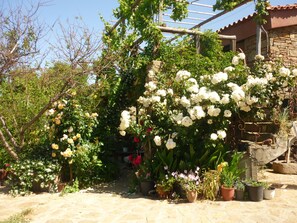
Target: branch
<point x="12" y="139"/>
<point x="44" y="109"/>
<point x="7" y="147"/>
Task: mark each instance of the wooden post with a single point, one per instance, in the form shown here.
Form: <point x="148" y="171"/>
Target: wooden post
<point x="233" y="45"/>
<point x="258" y="40"/>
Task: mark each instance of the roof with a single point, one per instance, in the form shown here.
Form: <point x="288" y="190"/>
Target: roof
<point x="270" y="8"/>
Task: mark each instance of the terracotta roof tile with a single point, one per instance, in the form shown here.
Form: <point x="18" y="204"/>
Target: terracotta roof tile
<point x="271" y="8"/>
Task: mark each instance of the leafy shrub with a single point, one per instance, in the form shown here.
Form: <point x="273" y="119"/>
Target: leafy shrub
<point x="29" y="175"/>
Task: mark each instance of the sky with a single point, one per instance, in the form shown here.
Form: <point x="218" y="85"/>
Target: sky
<point x="61" y="11"/>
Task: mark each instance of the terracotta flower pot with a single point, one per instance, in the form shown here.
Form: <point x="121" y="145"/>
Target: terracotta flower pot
<point x="227" y="193"/>
<point x="191" y="196"/>
<point x="163" y="194"/>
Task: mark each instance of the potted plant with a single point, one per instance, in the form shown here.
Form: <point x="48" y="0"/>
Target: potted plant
<point x="189" y="181"/>
<point x="239" y="190"/>
<point x="144" y="175"/>
<point x="230" y="172"/>
<point x="255" y="190"/>
<point x="164" y="187"/>
<point x="268" y="192"/>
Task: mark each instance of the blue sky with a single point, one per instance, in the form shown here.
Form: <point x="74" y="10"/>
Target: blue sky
<point x="90" y="11"/>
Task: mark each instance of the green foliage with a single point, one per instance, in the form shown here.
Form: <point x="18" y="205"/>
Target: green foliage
<point x="70" y="188"/>
<point x="28" y="175"/>
<point x="226" y="4"/>
<point x="260" y="8"/>
<point x="231" y="171"/>
<point x="210" y="184"/>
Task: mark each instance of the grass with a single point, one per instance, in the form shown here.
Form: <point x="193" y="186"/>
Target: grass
<point x="18" y="218"/>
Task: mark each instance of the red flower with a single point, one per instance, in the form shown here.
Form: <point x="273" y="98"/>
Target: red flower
<point x="149" y="130"/>
<point x="136" y="139"/>
<point x="135" y="160"/>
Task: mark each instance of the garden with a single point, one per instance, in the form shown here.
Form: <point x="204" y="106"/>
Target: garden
<point x="171" y="109"/>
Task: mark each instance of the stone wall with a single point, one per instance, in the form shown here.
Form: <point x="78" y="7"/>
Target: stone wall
<point x="282" y="43"/>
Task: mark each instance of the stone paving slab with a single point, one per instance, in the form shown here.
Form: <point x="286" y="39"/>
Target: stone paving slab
<point x="114" y="208"/>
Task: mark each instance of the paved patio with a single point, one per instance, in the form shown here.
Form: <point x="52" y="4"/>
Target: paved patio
<point x="111" y="203"/>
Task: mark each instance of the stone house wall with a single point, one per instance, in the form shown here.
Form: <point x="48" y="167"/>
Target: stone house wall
<point x="282" y="43"/>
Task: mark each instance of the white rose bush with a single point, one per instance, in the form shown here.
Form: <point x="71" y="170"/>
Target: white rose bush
<point x="198" y="108"/>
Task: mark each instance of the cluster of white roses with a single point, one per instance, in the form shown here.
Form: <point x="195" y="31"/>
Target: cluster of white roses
<point x="196" y="102"/>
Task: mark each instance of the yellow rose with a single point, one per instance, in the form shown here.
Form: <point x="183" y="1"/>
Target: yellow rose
<point x="54" y="154"/>
<point x="78" y="135"/>
<point x="70" y="141"/>
<point x="55" y="146"/>
<point x="60" y="106"/>
<point x="57" y="121"/>
<point x="74" y="138"/>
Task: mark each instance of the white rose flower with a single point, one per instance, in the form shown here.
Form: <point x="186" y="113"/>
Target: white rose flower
<point x="51" y="111"/>
<point x="182" y="75"/>
<point x="284" y="72"/>
<point x="70" y="141"/>
<point x="161" y="92"/>
<point x="214" y="97"/>
<point x="219" y="77"/>
<point x="193" y="89"/>
<point x="235" y="60"/>
<point x="225" y="99"/>
<point x="157" y="140"/>
<point x="151" y="86"/>
<point x="229" y="69"/>
<point x="70" y="129"/>
<point x="221" y="134"/>
<point x="213" y="136"/>
<point x="151" y="74"/>
<point x="170" y="144"/>
<point x="178" y="118"/>
<point x="259" y="57"/>
<point x="64" y="137"/>
<point x="227" y="113"/>
<point x="185" y="102"/>
<point x="198" y="111"/>
<point x="122" y="133"/>
<point x="192" y="81"/>
<point x="238" y="94"/>
<point x="241" y="56"/>
<point x="212" y="111"/>
<point x="155" y="99"/>
<point x="187" y="121"/>
<point x="209" y="121"/>
<point x="170" y="91"/>
<point x="294" y="72"/>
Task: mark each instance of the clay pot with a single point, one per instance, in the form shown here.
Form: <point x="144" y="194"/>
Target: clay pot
<point x="227" y="193"/>
<point x="191" y="196"/>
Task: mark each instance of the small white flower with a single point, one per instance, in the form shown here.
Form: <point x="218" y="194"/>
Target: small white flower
<point x="155" y="99"/>
<point x="235" y="60"/>
<point x="259" y="57"/>
<point x="213" y="136"/>
<point x="157" y="140"/>
<point x="161" y="92"/>
<point x="70" y="129"/>
<point x="241" y="56"/>
<point x="221" y="134"/>
<point x="150" y="86"/>
<point x="151" y="74"/>
<point x="214" y="97"/>
<point x="229" y="69"/>
<point x="225" y="99"/>
<point x="185" y="102"/>
<point x="193" y="89"/>
<point x="227" y="113"/>
<point x="294" y="72"/>
<point x="170" y="144"/>
<point x="182" y="75"/>
<point x="284" y="72"/>
<point x="122" y="133"/>
<point x="170" y="91"/>
<point x="209" y="121"/>
<point x="187" y="121"/>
